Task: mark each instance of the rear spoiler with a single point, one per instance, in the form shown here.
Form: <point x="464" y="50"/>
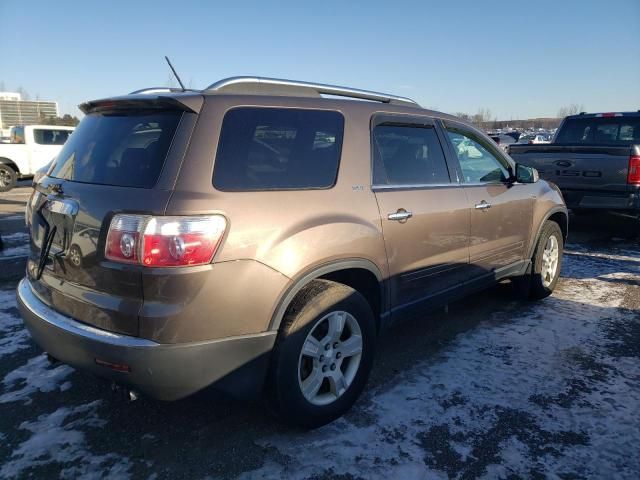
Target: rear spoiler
<point x="189" y="102"/>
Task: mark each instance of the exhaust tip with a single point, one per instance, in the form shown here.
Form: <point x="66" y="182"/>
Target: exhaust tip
<point x="124" y="392"/>
<point x="53" y="360"/>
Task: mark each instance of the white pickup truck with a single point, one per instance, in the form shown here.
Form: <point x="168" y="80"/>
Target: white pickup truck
<point x="31" y="148"/>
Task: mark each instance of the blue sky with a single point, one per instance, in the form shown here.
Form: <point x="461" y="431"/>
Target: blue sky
<point x="518" y="60"/>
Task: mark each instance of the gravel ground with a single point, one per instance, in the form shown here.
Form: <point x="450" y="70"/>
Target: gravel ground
<point x="495" y="388"/>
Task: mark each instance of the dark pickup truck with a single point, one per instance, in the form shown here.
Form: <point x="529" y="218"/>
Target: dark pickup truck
<point x="594" y="159"/>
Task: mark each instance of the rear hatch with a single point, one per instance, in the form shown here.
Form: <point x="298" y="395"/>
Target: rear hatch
<point x="591" y="152"/>
<point x="578" y="167"/>
<point x="123" y="157"/>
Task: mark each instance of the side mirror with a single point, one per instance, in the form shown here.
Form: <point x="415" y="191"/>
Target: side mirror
<point x="526" y="174"/>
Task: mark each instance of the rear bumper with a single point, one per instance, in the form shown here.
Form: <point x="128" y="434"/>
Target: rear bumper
<point x="578" y="199"/>
<point x="162" y="371"/>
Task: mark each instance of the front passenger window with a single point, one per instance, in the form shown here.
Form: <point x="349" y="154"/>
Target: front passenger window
<point x="477" y="162"/>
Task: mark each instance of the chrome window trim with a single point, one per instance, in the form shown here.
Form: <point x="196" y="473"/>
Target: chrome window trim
<point x="437" y="185"/>
<point x="413" y="186"/>
<point x="484" y="184"/>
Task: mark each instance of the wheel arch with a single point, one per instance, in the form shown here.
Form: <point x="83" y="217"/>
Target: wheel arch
<point x="558" y="215"/>
<point x="358" y="273"/>
<point x="10" y="163"/>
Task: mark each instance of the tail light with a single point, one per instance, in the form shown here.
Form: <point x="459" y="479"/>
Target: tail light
<point x="633" y="177"/>
<point x="164" y="241"/>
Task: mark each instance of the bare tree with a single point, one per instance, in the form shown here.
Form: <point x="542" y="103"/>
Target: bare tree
<point x="463" y="116"/>
<point x="482" y="117"/>
<point x="572" y="109"/>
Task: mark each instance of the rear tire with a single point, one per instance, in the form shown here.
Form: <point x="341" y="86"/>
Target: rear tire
<point x="546" y="264"/>
<point x="8" y="178"/>
<point x="323" y="356"/>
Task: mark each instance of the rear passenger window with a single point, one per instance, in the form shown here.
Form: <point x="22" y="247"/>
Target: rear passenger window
<point x="278" y="149"/>
<point x="406" y="155"/>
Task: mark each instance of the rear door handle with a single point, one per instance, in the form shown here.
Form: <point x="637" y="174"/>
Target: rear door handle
<point x="400" y="216"/>
<point x="483" y="205"/>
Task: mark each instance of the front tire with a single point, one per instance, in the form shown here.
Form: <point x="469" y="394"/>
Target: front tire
<point x="546" y="264"/>
<point x="8" y="178"/>
<point x="323" y="356"/>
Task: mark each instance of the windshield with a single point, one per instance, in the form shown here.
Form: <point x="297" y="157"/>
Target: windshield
<point x="125" y="149"/>
<point x="600" y="131"/>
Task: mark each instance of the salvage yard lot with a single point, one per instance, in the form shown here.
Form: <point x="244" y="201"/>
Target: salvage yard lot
<point x="495" y="387"/>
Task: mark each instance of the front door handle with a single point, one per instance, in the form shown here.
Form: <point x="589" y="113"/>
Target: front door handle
<point x="401" y="215"/>
<point x="483" y="205"/>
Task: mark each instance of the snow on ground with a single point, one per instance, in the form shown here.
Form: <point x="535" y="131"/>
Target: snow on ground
<point x="58" y="438"/>
<point x="16" y="245"/>
<point x="9" y="218"/>
<point x="52" y="438"/>
<point x="13" y="336"/>
<point x="539" y="390"/>
<point x="37" y="375"/>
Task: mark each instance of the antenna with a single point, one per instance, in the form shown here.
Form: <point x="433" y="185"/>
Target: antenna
<point x="174" y="73"/>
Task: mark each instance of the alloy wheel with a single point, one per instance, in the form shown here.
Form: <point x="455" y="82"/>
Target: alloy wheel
<point x="550" y="257"/>
<point x="5" y="178"/>
<point x="330" y="358"/>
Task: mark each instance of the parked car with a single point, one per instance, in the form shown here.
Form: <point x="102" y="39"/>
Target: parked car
<point x="258" y="237"/>
<point x="503" y="140"/>
<point x="594" y="159"/>
<point x="533" y="139"/>
<point x="514" y="134"/>
<point x="31" y="148"/>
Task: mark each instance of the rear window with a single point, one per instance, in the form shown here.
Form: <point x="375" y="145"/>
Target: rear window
<point x="125" y="149"/>
<point x="278" y="149"/>
<point x="600" y="131"/>
<point x="51" y="137"/>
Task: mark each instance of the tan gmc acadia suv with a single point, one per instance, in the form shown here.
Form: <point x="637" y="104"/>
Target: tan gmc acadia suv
<point x="258" y="236"/>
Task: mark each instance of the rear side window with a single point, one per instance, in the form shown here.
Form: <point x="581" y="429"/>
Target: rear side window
<point x="600" y="131"/>
<point x="278" y="149"/>
<point x="405" y="155"/>
<point x="50" y="137"/>
<point x="125" y="149"/>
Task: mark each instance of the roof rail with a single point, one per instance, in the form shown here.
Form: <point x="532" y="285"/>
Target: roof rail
<point x="266" y="85"/>
<point x="151" y="90"/>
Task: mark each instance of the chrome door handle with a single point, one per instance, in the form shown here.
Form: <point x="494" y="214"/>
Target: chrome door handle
<point x="482" y="205"/>
<point x="400" y="215"/>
